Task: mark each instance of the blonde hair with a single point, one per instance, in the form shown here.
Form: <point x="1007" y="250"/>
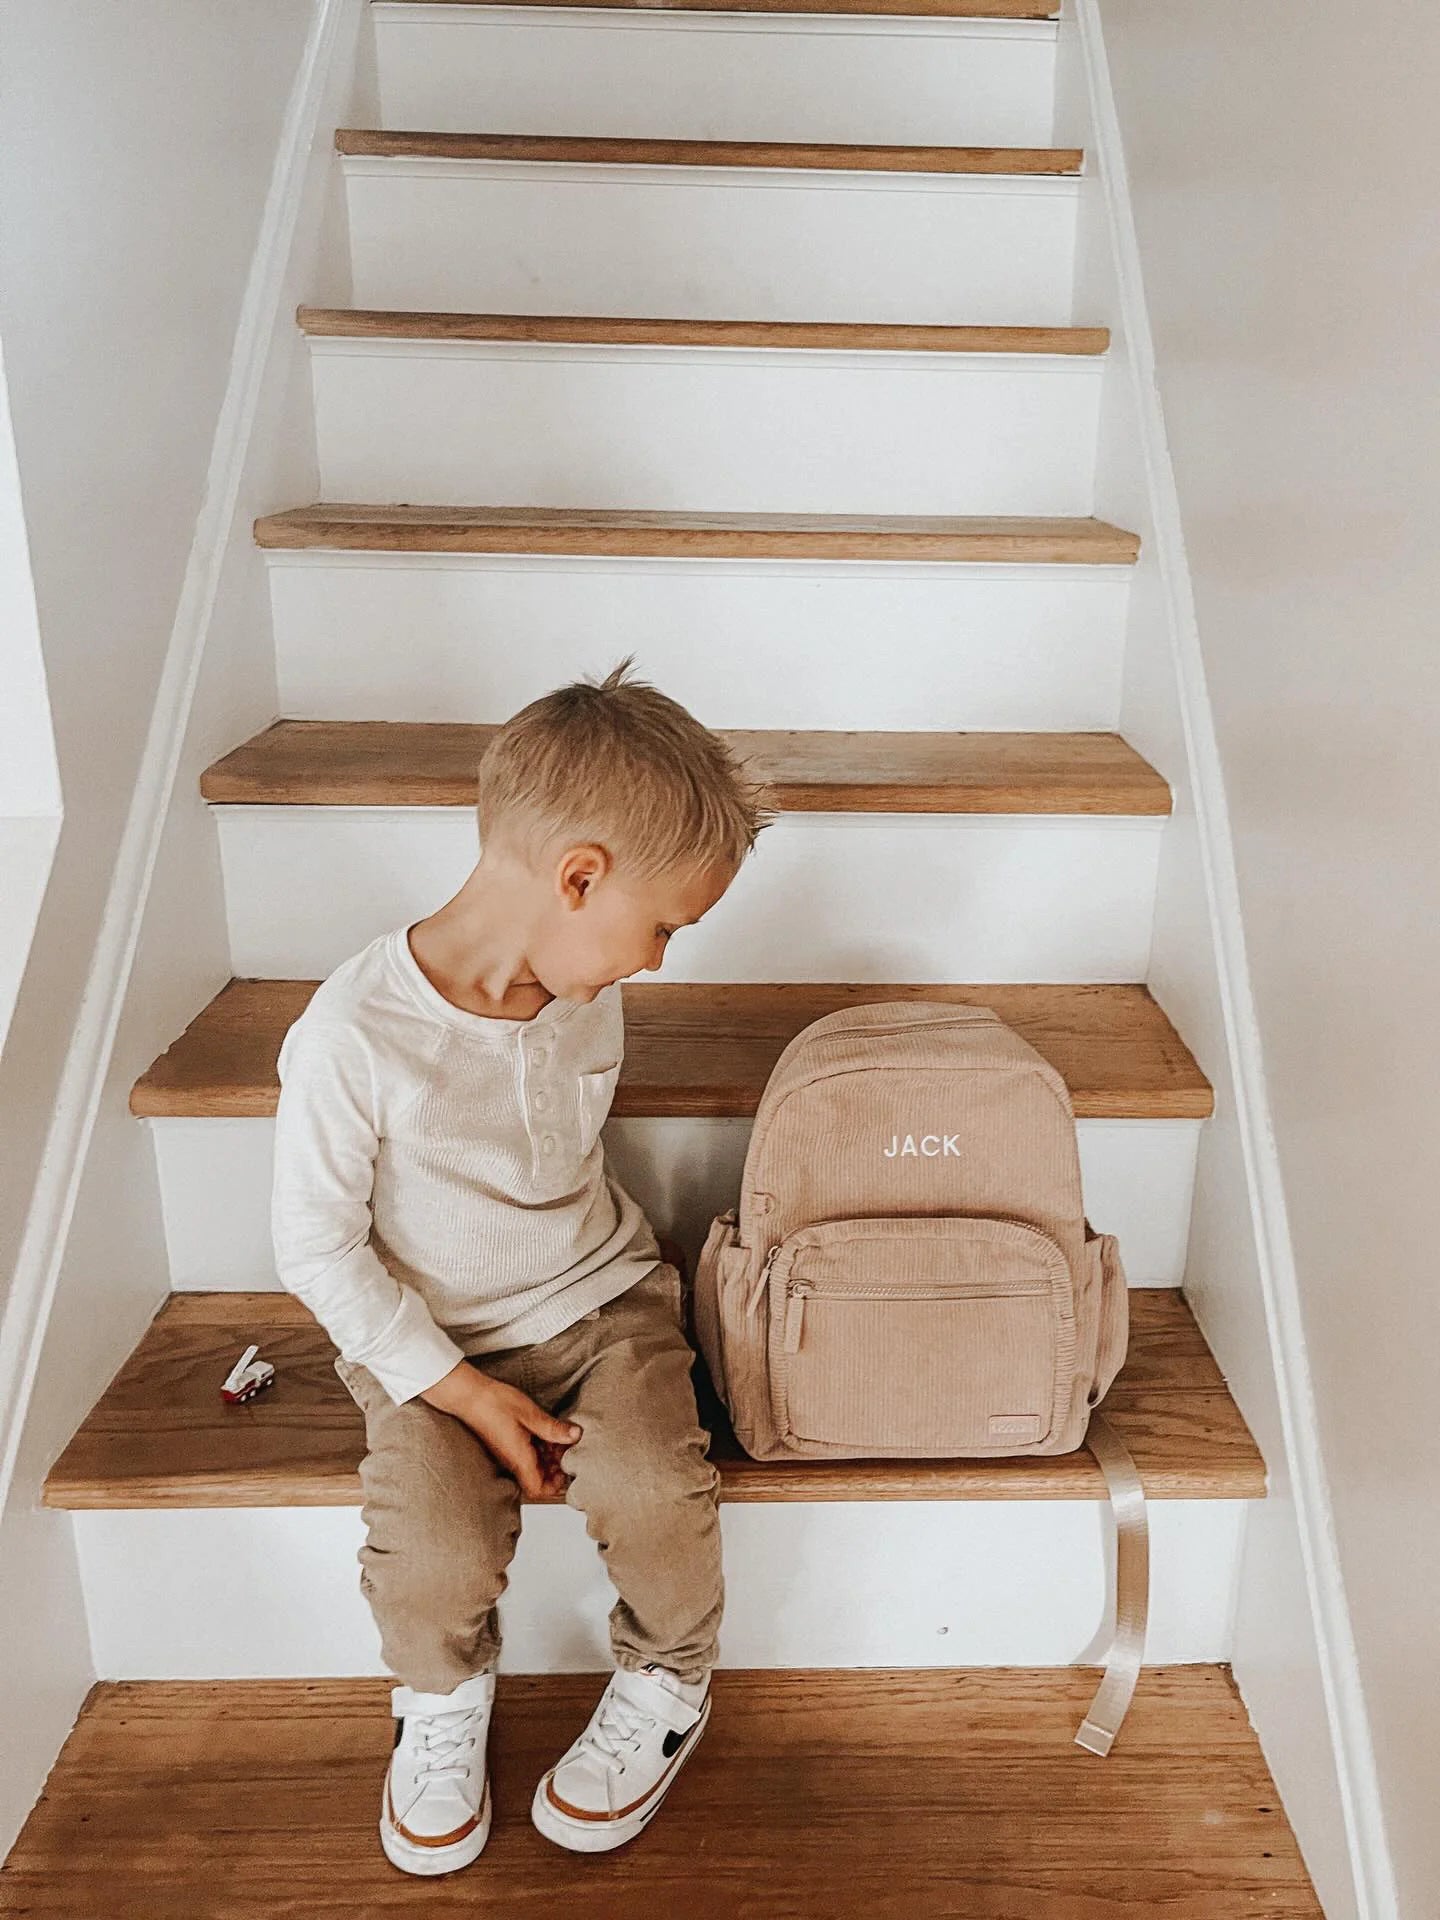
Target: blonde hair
<point x="623" y="765"/>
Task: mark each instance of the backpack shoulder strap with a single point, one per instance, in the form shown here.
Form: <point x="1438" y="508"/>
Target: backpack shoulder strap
<point x="1132" y="1587"/>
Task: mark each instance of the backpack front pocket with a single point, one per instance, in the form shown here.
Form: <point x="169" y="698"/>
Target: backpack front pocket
<point x="921" y="1336"/>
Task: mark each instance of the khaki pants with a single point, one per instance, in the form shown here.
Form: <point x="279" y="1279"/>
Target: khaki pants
<point x="442" y="1518"/>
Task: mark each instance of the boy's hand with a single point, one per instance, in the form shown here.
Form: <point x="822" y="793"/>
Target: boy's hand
<point x="522" y="1436"/>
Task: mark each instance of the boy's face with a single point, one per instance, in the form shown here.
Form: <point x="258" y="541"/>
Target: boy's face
<point x="603" y="925"/>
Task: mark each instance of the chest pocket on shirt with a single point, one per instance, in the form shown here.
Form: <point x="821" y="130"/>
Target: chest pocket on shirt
<point x="596" y="1092"/>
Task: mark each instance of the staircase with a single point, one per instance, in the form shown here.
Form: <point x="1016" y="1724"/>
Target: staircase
<point x="726" y="352"/>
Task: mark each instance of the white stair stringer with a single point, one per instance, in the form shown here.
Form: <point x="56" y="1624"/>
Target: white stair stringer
<point x="766" y="643"/>
<point x="246" y="1592"/>
<point x="648" y="74"/>
<point x="705" y="429"/>
<point x="215" y="1184"/>
<point x="710" y="243"/>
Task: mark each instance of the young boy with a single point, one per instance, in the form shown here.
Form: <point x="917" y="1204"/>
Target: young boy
<point x="503" y="1314"/>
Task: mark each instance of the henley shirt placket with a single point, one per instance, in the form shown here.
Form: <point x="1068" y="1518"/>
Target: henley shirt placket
<point x="537" y="1099"/>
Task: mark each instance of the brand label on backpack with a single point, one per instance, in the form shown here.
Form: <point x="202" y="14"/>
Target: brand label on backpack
<point x="1014" y="1426"/>
<point x="934" y="1146"/>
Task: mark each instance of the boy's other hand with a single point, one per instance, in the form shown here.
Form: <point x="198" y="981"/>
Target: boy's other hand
<point x="521" y="1435"/>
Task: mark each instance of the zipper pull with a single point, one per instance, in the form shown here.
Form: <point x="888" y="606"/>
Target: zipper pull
<point x="795" y="1316"/>
<point x="762" y="1280"/>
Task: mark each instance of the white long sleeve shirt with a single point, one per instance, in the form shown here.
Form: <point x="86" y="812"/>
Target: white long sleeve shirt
<point x="440" y="1187"/>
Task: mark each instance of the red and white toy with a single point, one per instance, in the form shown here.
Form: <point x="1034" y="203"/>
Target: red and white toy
<point x="247" y="1377"/>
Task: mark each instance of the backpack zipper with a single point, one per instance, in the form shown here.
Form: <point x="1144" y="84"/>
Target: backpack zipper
<point x="757" y="1294"/>
<point x="799" y="1291"/>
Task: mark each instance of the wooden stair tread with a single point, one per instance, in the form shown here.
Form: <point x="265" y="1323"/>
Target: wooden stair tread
<point x="161" y="1436"/>
<point x="816" y="1794"/>
<point x="610" y="150"/>
<point x="401" y="763"/>
<point x="707" y="1048"/>
<point x="362" y="526"/>
<point x="934" y="9"/>
<point x="376" y="323"/>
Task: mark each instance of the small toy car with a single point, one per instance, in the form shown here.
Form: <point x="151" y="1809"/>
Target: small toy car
<point x="247" y="1377"/>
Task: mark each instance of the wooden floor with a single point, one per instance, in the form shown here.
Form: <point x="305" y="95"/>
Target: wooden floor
<point x="943" y="9"/>
<point x="409" y="763"/>
<point x="1026" y="539"/>
<point x="160" y="1435"/>
<point x="609" y="150"/>
<point x="813" y="1796"/>
<point x="624" y="330"/>
<point x="709" y="1047"/>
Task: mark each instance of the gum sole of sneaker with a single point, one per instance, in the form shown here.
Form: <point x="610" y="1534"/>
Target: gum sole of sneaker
<point x="430" y="1861"/>
<point x="595" y="1836"/>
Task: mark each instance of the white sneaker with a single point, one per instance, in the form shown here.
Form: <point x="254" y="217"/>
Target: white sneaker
<point x="435" y="1815"/>
<point x="613" y="1779"/>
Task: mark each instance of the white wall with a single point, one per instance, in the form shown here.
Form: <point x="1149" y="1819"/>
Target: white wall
<point x="29" y="776"/>
<point x="1281" y="161"/>
<point x="136" y="150"/>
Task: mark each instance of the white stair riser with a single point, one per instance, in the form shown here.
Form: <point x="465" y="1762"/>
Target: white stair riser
<point x="1138" y="1178"/>
<point x="716" y="76"/>
<point x="764" y="644"/>
<point x="710" y="243"/>
<point x="722" y="431"/>
<point x="822" y="897"/>
<point x="251" y="1592"/>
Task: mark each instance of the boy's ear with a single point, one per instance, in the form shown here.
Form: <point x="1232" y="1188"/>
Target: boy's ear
<point x="580" y="867"/>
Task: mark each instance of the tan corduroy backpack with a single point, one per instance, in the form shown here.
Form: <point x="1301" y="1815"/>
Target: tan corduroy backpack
<point x="909" y="1271"/>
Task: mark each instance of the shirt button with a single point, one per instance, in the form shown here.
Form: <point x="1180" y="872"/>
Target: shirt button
<point x="548" y="1143"/>
<point x="541" y="1099"/>
<point x="538" y="1056"/>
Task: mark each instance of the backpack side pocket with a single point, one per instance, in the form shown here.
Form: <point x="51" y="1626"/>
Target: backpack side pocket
<point x="705" y="1296"/>
<point x="1103" y="1251"/>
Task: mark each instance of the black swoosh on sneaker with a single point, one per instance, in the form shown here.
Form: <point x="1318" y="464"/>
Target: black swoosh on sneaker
<point x="673" y="1741"/>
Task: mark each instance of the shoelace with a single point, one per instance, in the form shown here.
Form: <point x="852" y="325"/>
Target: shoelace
<point x="445" y="1743"/>
<point x="620" y="1722"/>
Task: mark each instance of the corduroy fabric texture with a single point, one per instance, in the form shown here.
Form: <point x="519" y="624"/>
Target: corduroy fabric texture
<point x="909" y="1270"/>
<point x="442" y="1519"/>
